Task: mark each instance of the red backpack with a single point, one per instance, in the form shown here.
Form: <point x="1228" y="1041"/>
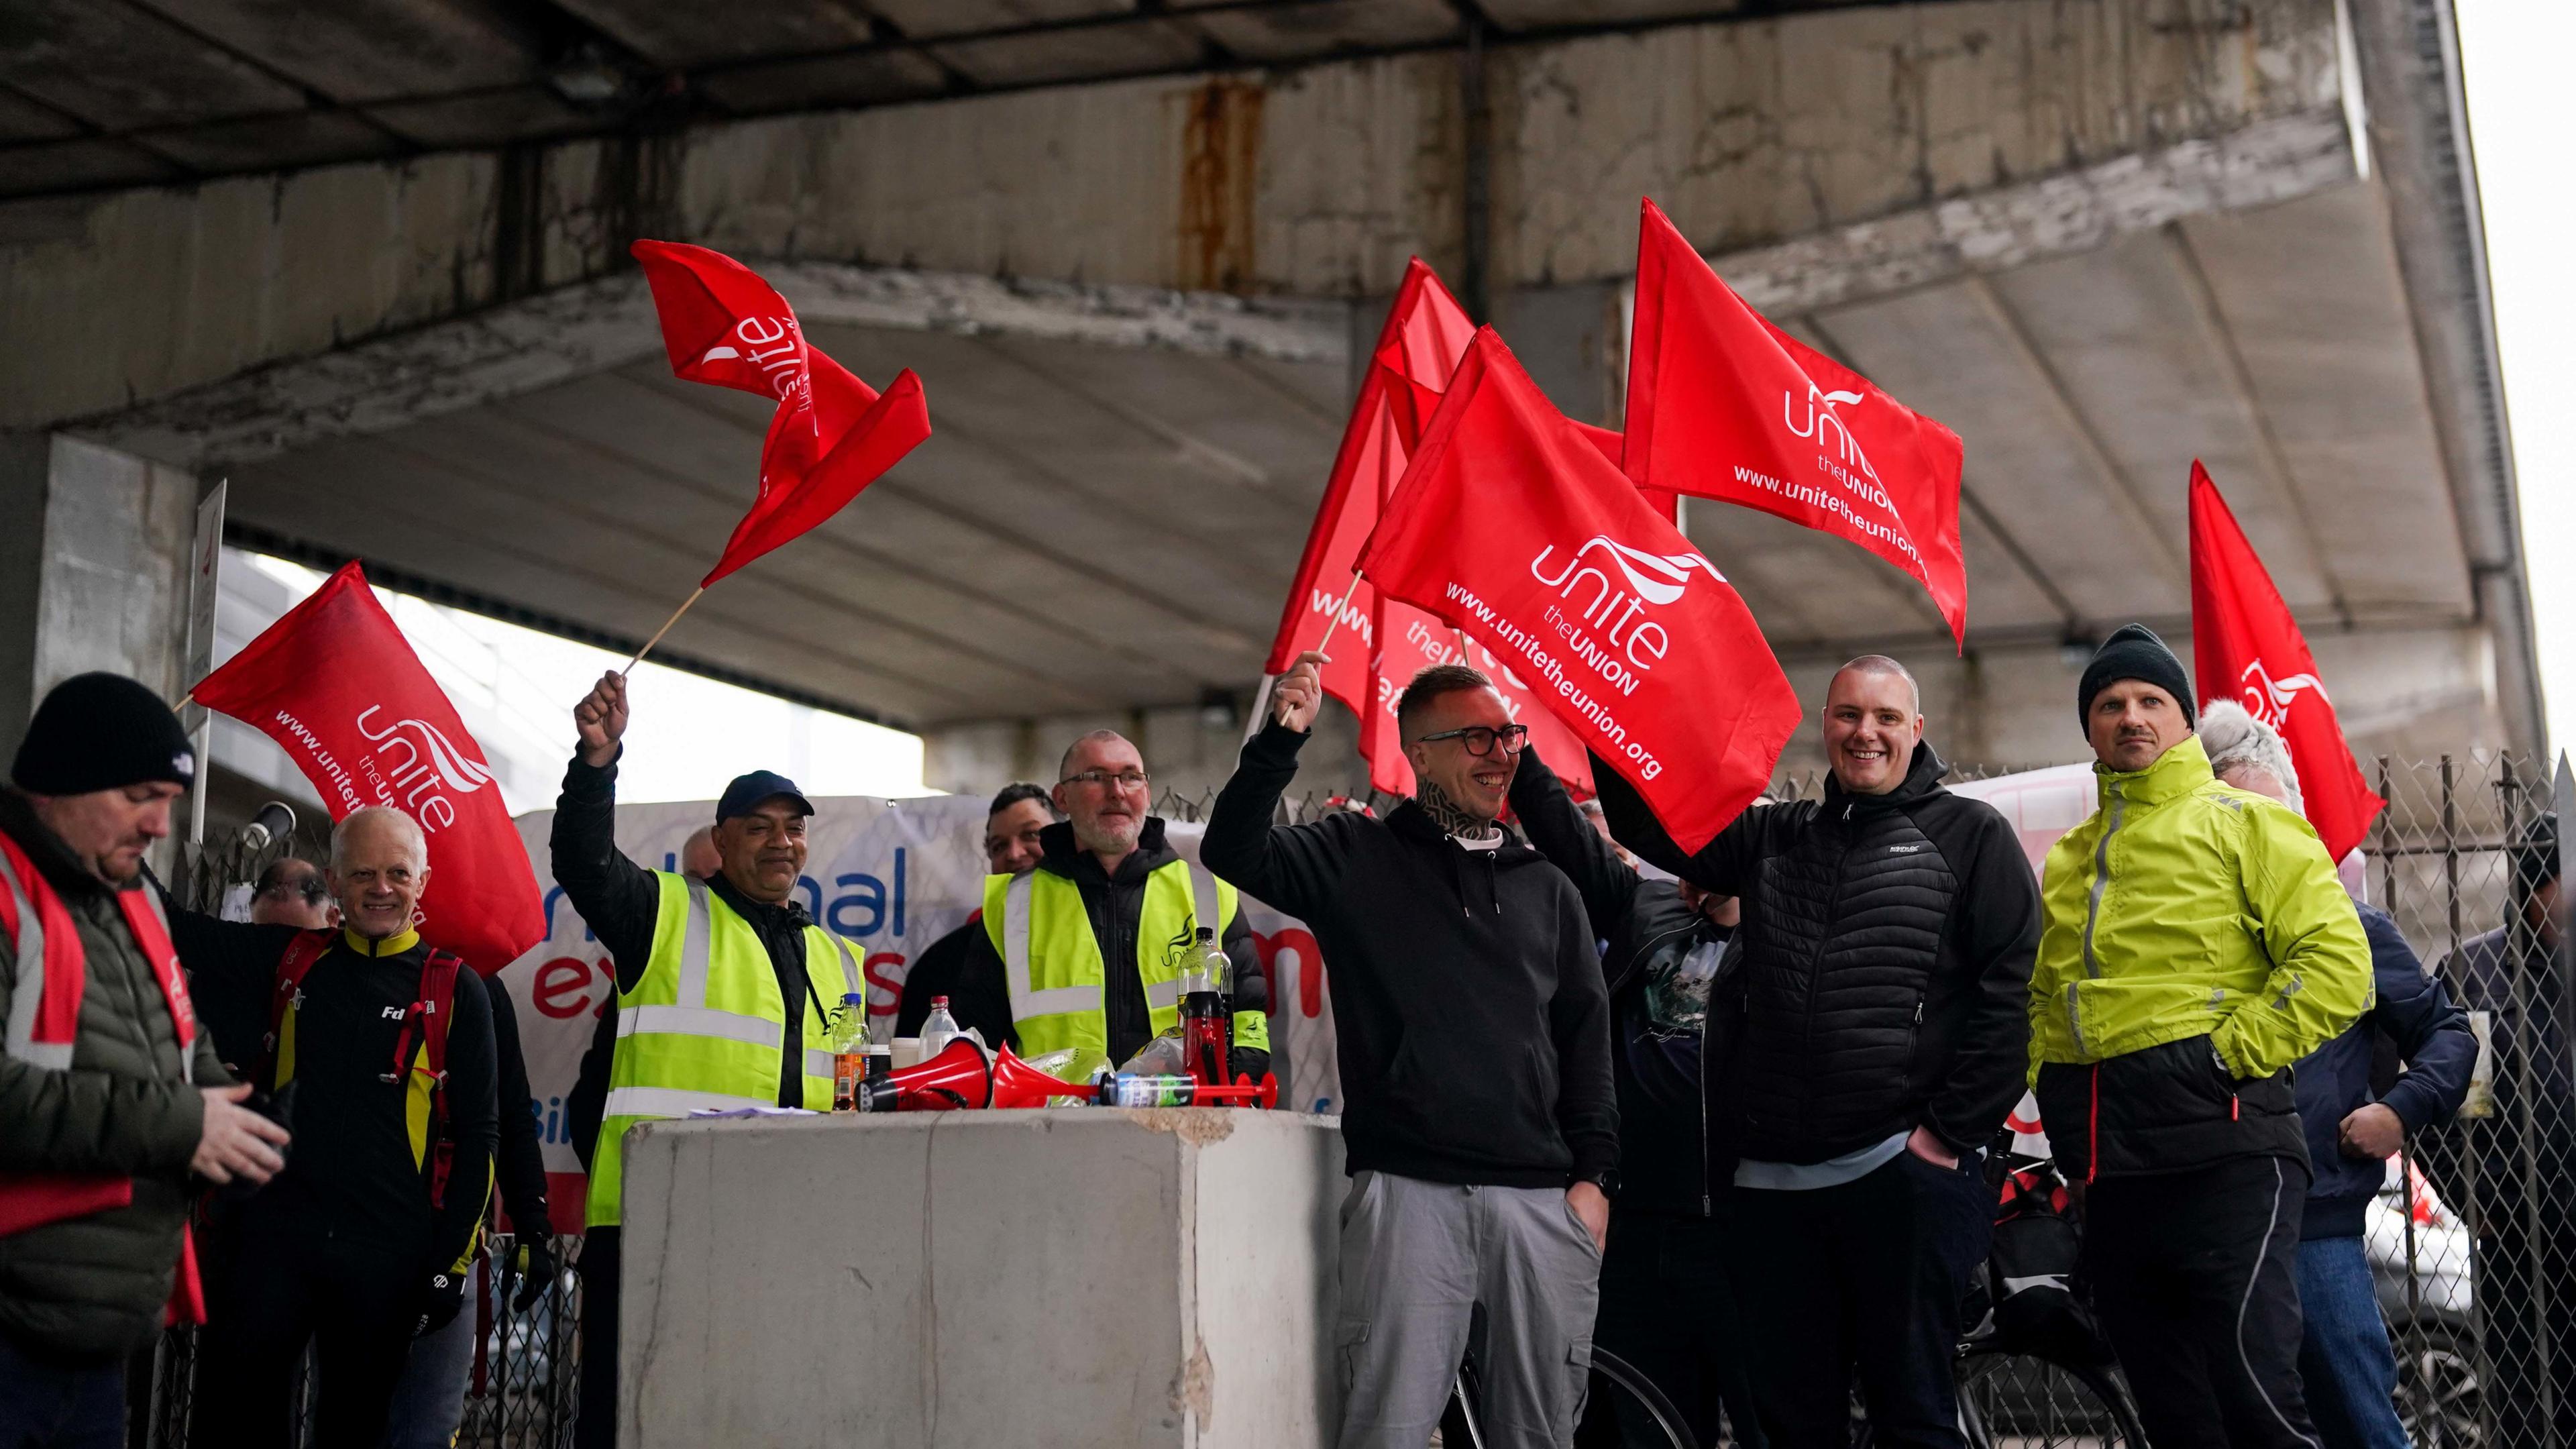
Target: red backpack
<point x="419" y="1046"/>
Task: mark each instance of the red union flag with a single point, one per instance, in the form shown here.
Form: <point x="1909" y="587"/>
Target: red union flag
<point x="336" y="685"/>
<point x="1721" y="404"/>
<point x="832" y="434"/>
<point x="2246" y="647"/>
<point x="1514" y="527"/>
<point x="1378" y="643"/>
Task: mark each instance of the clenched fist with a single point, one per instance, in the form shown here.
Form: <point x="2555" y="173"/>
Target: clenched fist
<point x="1299" y="693"/>
<point x="601" y="716"/>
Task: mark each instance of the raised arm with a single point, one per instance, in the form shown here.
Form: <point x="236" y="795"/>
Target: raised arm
<point x="1724" y="865"/>
<point x="1548" y="815"/>
<point x="618" y="899"/>
<point x="1295" y="868"/>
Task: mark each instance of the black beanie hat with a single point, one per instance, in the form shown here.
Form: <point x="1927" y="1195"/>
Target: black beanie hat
<point x="101" y="732"/>
<point x="2134" y="652"/>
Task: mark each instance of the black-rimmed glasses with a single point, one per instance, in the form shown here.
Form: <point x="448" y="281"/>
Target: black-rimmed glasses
<point x="1480" y="739"/>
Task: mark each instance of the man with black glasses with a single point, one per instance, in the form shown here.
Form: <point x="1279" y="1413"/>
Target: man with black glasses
<point x="1481" y="1134"/>
<point x="1085" y="950"/>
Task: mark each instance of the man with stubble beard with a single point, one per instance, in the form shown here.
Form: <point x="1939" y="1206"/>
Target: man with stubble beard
<point x="1481" y="1133"/>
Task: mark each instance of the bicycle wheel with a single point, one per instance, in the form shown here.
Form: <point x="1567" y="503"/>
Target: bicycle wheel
<point x="2036" y="1403"/>
<point x="1622" y="1409"/>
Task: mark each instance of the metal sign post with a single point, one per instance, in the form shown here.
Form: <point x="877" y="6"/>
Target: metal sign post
<point x="204" y="562"/>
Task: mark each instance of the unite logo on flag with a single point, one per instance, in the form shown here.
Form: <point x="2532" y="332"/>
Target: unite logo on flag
<point x="2269" y="699"/>
<point x="1652" y="578"/>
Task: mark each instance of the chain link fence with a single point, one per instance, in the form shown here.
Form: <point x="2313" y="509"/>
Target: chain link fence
<point x="2472" y="1242"/>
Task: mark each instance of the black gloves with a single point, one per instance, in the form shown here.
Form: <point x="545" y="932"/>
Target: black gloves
<point x="533" y="1262"/>
<point x="439" y="1302"/>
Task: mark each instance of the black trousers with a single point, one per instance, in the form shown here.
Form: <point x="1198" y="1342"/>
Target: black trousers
<point x="1667" y="1308"/>
<point x="271" y="1295"/>
<point x="2195" y="1278"/>
<point x="596" y="1428"/>
<point x="1868" y="1275"/>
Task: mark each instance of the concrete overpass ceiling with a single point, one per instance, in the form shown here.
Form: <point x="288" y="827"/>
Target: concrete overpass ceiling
<point x="99" y="94"/>
<point x="1090" y="528"/>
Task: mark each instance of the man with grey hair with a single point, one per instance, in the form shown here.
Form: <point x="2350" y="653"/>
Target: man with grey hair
<point x="1879" y="1035"/>
<point x="1084" y="948"/>
<point x="363" y="1243"/>
<point x="2345" y="1364"/>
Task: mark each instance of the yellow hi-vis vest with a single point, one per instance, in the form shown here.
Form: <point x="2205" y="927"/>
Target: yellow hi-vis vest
<point x="704" y="1025"/>
<point x="1052" y="966"/>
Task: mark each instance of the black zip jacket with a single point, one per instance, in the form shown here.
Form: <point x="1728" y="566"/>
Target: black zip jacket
<point x="1473" y="1029"/>
<point x="1663" y="1110"/>
<point x="1887" y="944"/>
<point x="1115" y="903"/>
<point x="350" y="1173"/>
<point x="621" y="903"/>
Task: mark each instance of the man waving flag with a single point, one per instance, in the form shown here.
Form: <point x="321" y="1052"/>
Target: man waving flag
<point x="2246" y="647"/>
<point x="1721" y="404"/>
<point x="1513" y="526"/>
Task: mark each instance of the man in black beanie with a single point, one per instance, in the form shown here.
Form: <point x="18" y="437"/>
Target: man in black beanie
<point x="109" y="1095"/>
<point x="2197" y="943"/>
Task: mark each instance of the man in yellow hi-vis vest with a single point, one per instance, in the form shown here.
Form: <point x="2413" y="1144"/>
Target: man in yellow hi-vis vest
<point x="1085" y="950"/>
<point x="725" y="988"/>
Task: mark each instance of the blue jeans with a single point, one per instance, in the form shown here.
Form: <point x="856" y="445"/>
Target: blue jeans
<point x="2345" y="1363"/>
<point x="429" y="1400"/>
<point x="53" y="1406"/>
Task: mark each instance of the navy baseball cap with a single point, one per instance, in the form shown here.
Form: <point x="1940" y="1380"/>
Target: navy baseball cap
<point x="747" y="791"/>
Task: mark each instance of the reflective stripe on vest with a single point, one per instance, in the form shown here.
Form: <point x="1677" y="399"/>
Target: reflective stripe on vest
<point x="1055" y="982"/>
<point x="47" y="952"/>
<point x="703" y="1026"/>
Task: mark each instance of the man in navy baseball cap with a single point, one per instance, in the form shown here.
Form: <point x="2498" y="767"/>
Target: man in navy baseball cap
<point x="749" y="792"/>
<point x="755" y="979"/>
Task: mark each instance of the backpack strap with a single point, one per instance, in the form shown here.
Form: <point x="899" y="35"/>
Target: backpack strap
<point x="276" y="1052"/>
<point x="434" y="1012"/>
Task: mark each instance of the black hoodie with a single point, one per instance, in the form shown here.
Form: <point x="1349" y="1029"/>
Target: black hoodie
<point x="1887" y="947"/>
<point x="1471" y="1024"/>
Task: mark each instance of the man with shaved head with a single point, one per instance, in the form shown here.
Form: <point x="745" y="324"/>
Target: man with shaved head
<point x="1877" y="1014"/>
<point x="363" y="1243"/>
<point x="1085" y="949"/>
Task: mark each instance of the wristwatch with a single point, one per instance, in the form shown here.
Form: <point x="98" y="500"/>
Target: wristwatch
<point x="1607" y="1180"/>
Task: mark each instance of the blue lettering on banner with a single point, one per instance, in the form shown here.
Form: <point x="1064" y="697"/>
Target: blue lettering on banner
<point x="868" y="894"/>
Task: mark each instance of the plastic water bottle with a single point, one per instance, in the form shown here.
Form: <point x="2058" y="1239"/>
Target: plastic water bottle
<point x="850" y="1054"/>
<point x="938" y="1030"/>
<point x="1207" y="1031"/>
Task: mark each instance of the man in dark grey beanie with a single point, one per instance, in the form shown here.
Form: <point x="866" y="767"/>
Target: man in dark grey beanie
<point x="105" y="1082"/>
<point x="2196" y="944"/>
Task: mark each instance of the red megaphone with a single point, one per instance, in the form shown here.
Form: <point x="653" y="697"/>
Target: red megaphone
<point x="958" y="1077"/>
<point x="1017" y="1084"/>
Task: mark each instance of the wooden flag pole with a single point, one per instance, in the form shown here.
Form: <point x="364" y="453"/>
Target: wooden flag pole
<point x="658" y="633"/>
<point x="1335" y="622"/>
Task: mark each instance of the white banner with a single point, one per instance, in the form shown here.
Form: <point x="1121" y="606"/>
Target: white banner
<point x="892" y="876"/>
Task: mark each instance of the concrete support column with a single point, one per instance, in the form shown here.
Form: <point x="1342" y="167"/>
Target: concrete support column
<point x="93" y="570"/>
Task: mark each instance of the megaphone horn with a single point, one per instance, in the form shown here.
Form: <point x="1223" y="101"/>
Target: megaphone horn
<point x="958" y="1077"/>
<point x="1017" y="1084"/>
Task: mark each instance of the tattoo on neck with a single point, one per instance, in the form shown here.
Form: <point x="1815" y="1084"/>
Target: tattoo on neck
<point x="1452" y="817"/>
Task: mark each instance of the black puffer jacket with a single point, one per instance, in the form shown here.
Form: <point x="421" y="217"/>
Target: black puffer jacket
<point x="91" y="1289"/>
<point x="1887" y="945"/>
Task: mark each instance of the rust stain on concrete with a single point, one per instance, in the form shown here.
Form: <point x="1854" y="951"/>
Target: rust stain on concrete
<point x="1220" y="164"/>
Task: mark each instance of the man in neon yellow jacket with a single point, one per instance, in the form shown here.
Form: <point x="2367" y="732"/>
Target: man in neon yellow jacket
<point x="2196" y="944"/>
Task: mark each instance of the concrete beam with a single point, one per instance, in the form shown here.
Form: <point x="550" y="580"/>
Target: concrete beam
<point x="2267" y="162"/>
<point x="2419" y="140"/>
<point x="521" y="347"/>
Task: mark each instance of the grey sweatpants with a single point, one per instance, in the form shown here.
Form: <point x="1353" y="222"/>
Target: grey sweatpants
<point x="1417" y="1257"/>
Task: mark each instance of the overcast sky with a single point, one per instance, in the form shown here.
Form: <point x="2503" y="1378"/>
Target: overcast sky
<point x="2514" y="54"/>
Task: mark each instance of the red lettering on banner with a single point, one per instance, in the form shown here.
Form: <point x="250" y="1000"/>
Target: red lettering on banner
<point x="562" y="988"/>
<point x="891" y="985"/>
<point x="1310" y="969"/>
